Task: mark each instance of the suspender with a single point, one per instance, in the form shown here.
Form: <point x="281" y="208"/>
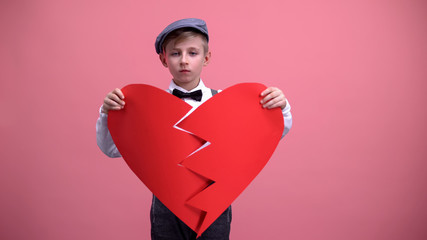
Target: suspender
<point x="214" y="92"/>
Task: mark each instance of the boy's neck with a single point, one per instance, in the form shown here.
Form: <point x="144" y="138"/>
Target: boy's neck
<point x="188" y="86"/>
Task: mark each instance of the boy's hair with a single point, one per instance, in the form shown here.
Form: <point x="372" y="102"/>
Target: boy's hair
<point x="183" y="34"/>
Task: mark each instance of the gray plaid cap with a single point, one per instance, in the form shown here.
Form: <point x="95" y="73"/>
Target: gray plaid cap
<point x="195" y="23"/>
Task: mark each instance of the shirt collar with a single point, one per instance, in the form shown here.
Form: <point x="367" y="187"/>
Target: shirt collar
<point x="172" y="86"/>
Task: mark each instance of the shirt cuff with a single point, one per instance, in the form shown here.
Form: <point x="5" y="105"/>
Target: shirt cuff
<point x="287" y="109"/>
<point x="102" y="114"/>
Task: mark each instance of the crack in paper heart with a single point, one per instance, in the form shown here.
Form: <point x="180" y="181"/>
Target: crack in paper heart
<point x="206" y="144"/>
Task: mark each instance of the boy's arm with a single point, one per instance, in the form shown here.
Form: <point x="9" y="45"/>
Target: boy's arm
<point x="273" y="97"/>
<point x="103" y="137"/>
<point x="113" y="101"/>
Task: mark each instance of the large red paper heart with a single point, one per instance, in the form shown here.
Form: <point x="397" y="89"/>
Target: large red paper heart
<point x="238" y="138"/>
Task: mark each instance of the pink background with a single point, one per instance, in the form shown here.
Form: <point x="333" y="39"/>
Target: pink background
<point x="353" y="166"/>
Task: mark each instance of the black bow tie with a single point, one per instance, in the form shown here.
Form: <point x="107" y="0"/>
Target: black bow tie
<point x="196" y="95"/>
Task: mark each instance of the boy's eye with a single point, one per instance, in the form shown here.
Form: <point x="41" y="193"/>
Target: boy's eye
<point x="174" y="54"/>
<point x="193" y="53"/>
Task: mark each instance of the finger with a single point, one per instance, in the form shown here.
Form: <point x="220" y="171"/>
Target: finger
<point x="275" y="102"/>
<point x="270" y="96"/>
<point x="113" y="96"/>
<point x="106" y="107"/>
<point x="280" y="104"/>
<point x="109" y="108"/>
<point x="116" y="108"/>
<point x="267" y="91"/>
<point x="269" y="103"/>
<point x="111" y="103"/>
<point x="119" y="93"/>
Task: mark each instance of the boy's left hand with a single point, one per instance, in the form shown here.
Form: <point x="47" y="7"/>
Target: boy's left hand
<point x="273" y="97"/>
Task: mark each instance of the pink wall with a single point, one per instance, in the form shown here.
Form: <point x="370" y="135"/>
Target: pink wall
<point x="353" y="167"/>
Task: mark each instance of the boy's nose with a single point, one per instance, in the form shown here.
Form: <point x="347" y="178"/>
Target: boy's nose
<point x="184" y="59"/>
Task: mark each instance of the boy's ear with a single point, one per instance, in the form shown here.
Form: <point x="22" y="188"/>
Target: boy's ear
<point x="207" y="59"/>
<point x="163" y="59"/>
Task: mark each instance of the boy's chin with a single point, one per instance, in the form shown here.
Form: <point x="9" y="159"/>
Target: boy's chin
<point x="180" y="82"/>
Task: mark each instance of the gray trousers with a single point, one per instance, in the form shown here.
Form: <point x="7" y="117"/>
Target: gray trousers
<point x="166" y="226"/>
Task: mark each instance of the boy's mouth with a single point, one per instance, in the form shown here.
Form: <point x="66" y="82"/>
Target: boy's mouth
<point x="184" y="70"/>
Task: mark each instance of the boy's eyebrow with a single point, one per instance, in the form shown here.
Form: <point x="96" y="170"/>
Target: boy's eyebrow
<point x="193" y="49"/>
<point x="196" y="48"/>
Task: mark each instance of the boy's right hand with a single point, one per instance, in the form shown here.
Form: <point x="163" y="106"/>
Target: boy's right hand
<point x="113" y="101"/>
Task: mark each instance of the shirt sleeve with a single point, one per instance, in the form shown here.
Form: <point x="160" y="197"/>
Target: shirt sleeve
<point x="103" y="137"/>
<point x="287" y="118"/>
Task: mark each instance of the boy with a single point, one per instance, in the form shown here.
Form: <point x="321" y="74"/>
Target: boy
<point x="183" y="49"/>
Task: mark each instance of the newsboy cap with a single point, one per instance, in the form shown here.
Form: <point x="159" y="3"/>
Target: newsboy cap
<point x="195" y="23"/>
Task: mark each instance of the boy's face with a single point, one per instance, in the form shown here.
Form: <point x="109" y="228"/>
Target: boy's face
<point x="185" y="61"/>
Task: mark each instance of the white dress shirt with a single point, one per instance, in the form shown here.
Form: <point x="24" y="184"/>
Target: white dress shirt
<point x="107" y="146"/>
